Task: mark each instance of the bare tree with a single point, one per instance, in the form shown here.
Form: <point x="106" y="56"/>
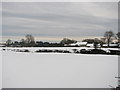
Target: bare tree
<point x="118" y="36"/>
<point x="23" y="42"/>
<point x="67" y="41"/>
<point x="8" y="42"/>
<point x="108" y="35"/>
<point x="30" y="40"/>
<point x="96" y="43"/>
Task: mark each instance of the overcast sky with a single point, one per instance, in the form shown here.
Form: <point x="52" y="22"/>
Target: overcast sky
<point x="67" y="19"/>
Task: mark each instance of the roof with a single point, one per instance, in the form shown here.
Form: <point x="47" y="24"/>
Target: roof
<point x="110" y="45"/>
<point x="78" y="43"/>
<point x="90" y="45"/>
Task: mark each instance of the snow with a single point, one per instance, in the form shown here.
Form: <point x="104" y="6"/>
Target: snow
<point x="78" y="43"/>
<point x="1" y="68"/>
<point x="90" y="45"/>
<point x="58" y="70"/>
<point x="112" y="45"/>
<point x="73" y="44"/>
<point x="32" y="49"/>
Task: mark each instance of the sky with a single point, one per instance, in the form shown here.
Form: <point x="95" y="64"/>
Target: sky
<point x="52" y="21"/>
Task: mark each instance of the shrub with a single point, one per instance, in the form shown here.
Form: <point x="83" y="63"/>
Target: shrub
<point x="58" y="51"/>
<point x="55" y="51"/>
<point x="97" y="51"/>
<point x="92" y="51"/>
<point x="26" y="50"/>
<point x="83" y="51"/>
<point x="65" y="51"/>
<point x="115" y="52"/>
<point x="23" y="50"/>
<point x="3" y="49"/>
<point x="44" y="50"/>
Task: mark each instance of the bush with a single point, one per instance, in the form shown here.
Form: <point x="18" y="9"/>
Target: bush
<point x="55" y="51"/>
<point x="115" y="52"/>
<point x="58" y="51"/>
<point x="26" y="50"/>
<point x="44" y="50"/>
<point x="65" y="51"/>
<point x="97" y="51"/>
<point x="92" y="51"/>
<point x="83" y="51"/>
<point x="23" y="50"/>
<point x="3" y="49"/>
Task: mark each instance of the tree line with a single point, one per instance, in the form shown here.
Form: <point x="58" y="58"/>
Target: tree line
<point x="29" y="41"/>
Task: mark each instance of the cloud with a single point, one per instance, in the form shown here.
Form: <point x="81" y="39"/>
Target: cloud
<point x="59" y="19"/>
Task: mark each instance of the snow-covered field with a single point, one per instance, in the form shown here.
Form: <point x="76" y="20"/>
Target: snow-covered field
<point x="33" y="49"/>
<point x="58" y="70"/>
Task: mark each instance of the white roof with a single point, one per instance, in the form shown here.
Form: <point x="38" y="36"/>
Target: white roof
<point x="81" y="43"/>
<point x="113" y="44"/>
<point x="73" y="44"/>
<point x="110" y="44"/>
<point x="105" y="45"/>
<point x="90" y="45"/>
<point x="78" y="43"/>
